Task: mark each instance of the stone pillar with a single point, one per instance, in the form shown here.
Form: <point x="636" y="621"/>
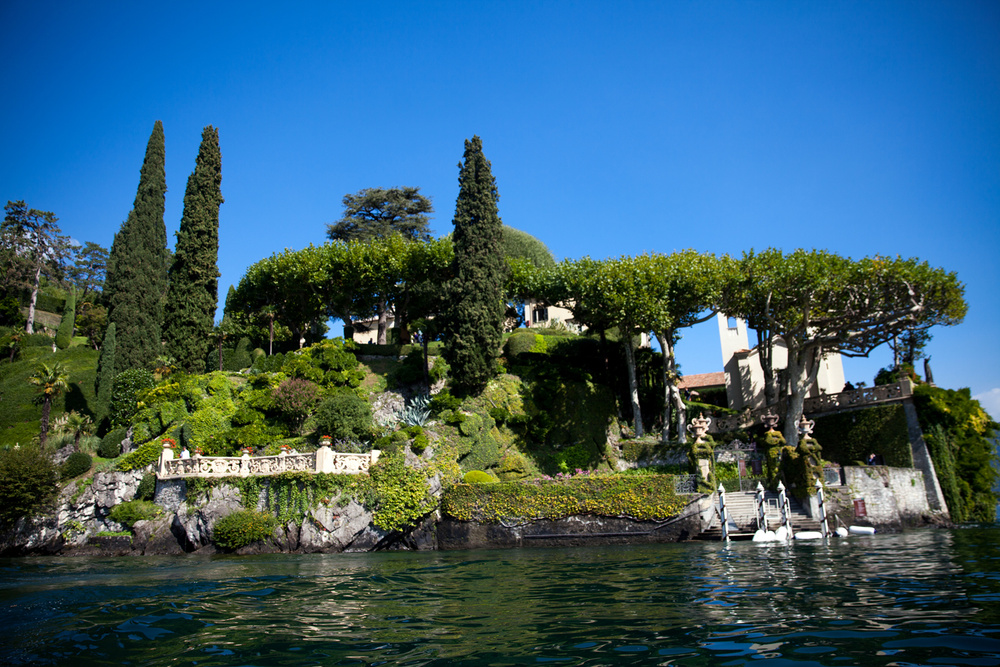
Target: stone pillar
<point x="167" y="454"/>
<point x="324" y="459"/>
<point x="374" y="454"/>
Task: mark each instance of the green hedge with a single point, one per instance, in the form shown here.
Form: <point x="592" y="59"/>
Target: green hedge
<point x="143" y="456"/>
<point x="646" y="498"/>
<point x="128" y="513"/>
<point x="849" y="437"/>
<point x="242" y="528"/>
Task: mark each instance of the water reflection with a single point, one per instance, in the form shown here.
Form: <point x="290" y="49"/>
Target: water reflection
<point x="922" y="597"/>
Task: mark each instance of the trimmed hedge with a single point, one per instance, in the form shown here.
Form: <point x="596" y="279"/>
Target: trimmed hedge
<point x="849" y="437"/>
<point x="145" y="455"/>
<point x="77" y="464"/>
<point x="645" y="498"/>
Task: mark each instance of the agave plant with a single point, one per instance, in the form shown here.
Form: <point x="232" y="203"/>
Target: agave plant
<point x="417" y="411"/>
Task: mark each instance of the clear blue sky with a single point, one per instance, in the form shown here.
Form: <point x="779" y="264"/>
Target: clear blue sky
<point x="613" y="127"/>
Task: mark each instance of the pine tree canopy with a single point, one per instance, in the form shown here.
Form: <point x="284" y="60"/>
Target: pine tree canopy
<point x="475" y="311"/>
<point x="136" y="282"/>
<point x="378" y="212"/>
<point x="194" y="275"/>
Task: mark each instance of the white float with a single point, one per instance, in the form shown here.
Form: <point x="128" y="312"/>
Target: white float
<point x="809" y="535"/>
<point x="861" y="530"/>
<point x="841" y="531"/>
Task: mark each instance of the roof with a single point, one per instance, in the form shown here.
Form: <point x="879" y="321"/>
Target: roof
<point x="703" y="380"/>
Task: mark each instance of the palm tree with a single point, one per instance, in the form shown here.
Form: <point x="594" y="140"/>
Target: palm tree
<point x="78" y="425"/>
<point x="51" y="382"/>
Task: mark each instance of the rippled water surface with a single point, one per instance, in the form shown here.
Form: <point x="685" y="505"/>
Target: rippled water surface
<point x="923" y="597"/>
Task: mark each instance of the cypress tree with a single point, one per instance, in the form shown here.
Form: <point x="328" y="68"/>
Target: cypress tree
<point x="136" y="281"/>
<point x="64" y="334"/>
<point x="474" y="318"/>
<point x="194" y="276"/>
<point x="106" y="370"/>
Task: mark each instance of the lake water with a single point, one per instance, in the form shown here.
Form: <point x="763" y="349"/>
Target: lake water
<point x="927" y="597"/>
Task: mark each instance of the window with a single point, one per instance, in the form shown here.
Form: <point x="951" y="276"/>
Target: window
<point x="540" y="315"/>
<point x="731" y="322"/>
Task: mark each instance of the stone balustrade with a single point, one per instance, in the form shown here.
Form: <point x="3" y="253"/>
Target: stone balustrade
<point x="322" y="460"/>
<point x="855" y="398"/>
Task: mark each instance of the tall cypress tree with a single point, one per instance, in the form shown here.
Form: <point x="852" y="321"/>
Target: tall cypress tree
<point x="136" y="282"/>
<point x="474" y="317"/>
<point x="194" y="276"/>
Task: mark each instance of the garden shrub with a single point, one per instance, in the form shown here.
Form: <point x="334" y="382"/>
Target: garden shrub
<point x="443" y="401"/>
<point x="513" y="466"/>
<point x="147" y="487"/>
<point x="124" y="392"/>
<point x="145" y="455"/>
<point x="344" y="416"/>
<point x="111" y="444"/>
<point x="242" y="528"/>
<point x="36" y="340"/>
<point x="478" y="477"/>
<point x="295" y="399"/>
<point x="129" y="512"/>
<point x="240" y="357"/>
<point x="10" y="313"/>
<point x="525" y="341"/>
<point x="77" y="464"/>
<point x="28" y="481"/>
<point x="419" y="444"/>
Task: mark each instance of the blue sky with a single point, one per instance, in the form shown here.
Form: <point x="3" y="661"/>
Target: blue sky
<point x="613" y="128"/>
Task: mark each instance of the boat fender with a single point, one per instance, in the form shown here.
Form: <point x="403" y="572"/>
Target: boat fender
<point x="809" y="535"/>
<point x="861" y="530"/>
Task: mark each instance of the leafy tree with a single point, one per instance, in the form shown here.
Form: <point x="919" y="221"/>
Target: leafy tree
<point x="90" y="264"/>
<point x="194" y="276"/>
<point x="375" y="213"/>
<point x="31" y="244"/>
<point x="295" y="284"/>
<point x="473" y="321"/>
<point x="522" y="245"/>
<point x="821" y="302"/>
<point x="92" y="321"/>
<point x="64" y="334"/>
<point x="10" y="313"/>
<point x="51" y="381"/>
<point x="28" y="480"/>
<point x="136" y="282"/>
<point x="682" y="289"/>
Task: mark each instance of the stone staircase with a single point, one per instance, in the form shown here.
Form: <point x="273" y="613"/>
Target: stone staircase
<point x="742" y="510"/>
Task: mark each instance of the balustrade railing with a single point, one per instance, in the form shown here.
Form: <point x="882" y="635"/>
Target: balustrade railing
<point x="818" y="404"/>
<point x="322" y="460"/>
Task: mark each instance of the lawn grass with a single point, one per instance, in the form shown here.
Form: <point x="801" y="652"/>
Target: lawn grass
<point x="20" y="417"/>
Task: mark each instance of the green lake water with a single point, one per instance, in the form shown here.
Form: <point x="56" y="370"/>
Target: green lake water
<point x="929" y="597"/>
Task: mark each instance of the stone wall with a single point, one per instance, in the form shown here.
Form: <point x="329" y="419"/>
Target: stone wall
<point x="893" y="498"/>
<point x="575" y="530"/>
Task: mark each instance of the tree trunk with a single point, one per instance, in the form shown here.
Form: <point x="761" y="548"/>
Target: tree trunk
<point x="30" y="326"/>
<point x="800" y="379"/>
<point x="765" y="352"/>
<point x="633" y="386"/>
<point x="46" y="410"/>
<point x="383" y="318"/>
<point x="667" y="393"/>
<point x="270" y="336"/>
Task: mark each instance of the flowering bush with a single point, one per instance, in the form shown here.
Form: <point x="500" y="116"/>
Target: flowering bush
<point x="294" y="399"/>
